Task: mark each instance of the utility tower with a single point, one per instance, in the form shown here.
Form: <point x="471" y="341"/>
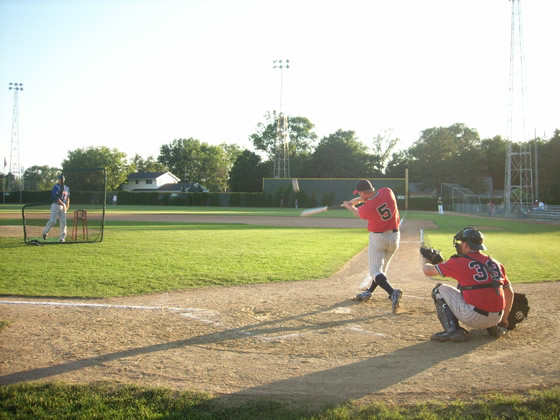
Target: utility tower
<point x="518" y="186"/>
<point x="15" y="169"/>
<point x="281" y="146"/>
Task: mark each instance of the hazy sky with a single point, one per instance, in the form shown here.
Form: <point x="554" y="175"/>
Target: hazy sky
<point x="137" y="74"/>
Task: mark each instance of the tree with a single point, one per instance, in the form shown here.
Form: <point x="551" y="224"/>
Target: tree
<point x="147" y="165"/>
<point x="40" y="178"/>
<point x="302" y="138"/>
<point x="114" y="161"/>
<point x="397" y="165"/>
<point x="340" y="155"/>
<point x="493" y="153"/>
<point x="448" y="155"/>
<point x="195" y="161"/>
<point x="548" y="157"/>
<point x="232" y="152"/>
<point x="247" y="173"/>
<point x="382" y="147"/>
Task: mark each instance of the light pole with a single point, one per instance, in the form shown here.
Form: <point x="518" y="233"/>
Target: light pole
<point x="14" y="146"/>
<point x="280" y="64"/>
<point x="282" y="154"/>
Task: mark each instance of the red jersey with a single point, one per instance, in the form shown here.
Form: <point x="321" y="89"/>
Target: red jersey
<point x="381" y="211"/>
<point x="472" y="273"/>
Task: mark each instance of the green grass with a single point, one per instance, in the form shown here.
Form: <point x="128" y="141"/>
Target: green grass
<point x="223" y="211"/>
<point x="106" y="400"/>
<point x="231" y="211"/>
<point x="138" y="257"/>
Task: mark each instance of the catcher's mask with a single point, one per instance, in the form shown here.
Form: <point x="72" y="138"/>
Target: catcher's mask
<point x="471" y="236"/>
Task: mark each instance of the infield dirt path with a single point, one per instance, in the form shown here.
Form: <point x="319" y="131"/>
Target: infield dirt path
<point x="291" y="341"/>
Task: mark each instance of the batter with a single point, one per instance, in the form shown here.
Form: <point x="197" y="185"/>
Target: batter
<point x="380" y="209"/>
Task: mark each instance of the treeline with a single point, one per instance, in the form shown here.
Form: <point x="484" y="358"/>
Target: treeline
<point x="454" y="154"/>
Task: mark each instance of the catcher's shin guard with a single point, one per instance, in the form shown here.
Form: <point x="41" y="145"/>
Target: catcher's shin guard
<point x="447" y="318"/>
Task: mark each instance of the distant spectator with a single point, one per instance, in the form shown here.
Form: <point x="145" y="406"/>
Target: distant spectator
<point x="491" y="208"/>
<point x="296" y="203"/>
<point x="541" y="206"/>
<point x="114" y="199"/>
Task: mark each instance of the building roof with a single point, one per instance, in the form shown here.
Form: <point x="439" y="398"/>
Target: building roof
<point x="149" y="175"/>
<point x="137" y="175"/>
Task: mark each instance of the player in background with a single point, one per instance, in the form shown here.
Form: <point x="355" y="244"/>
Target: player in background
<point x="440" y="205"/>
<point x="60" y="197"/>
<point x="380" y="210"/>
<point x="483" y="297"/>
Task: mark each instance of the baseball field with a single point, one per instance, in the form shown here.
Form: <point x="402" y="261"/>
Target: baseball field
<point x="247" y="313"/>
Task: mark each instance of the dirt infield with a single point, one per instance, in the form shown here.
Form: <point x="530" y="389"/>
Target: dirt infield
<point x="289" y="341"/>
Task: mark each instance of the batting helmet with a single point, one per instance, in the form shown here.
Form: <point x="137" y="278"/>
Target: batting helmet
<point x="471" y="236"/>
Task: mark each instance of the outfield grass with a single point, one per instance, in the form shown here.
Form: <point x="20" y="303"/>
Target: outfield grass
<point x="138" y="258"/>
<point x="111" y="401"/>
<point x="141" y="257"/>
<point x="224" y="211"/>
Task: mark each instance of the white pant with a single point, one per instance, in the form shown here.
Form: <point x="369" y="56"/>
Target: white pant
<point x="440" y="208"/>
<point x="465" y="311"/>
<point x="381" y="248"/>
<point x="57" y="212"/>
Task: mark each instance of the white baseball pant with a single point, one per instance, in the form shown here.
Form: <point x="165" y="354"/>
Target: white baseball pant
<point x="57" y="212"/>
<point x="381" y="248"/>
<point x="464" y="311"/>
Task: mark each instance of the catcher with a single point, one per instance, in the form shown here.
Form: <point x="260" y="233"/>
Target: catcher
<point x="484" y="296"/>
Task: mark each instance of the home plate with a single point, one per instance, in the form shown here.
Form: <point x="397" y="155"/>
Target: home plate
<point x="341" y="310"/>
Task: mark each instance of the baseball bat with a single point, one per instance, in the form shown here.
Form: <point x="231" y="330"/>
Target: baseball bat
<point x="317" y="210"/>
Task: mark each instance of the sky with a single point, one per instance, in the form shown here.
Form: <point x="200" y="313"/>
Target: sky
<point x="137" y="74"/>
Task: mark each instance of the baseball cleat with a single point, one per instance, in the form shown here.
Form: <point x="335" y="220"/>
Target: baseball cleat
<point x="362" y="297"/>
<point x="395" y="299"/>
<point x="456" y="336"/>
<point x="45" y="236"/>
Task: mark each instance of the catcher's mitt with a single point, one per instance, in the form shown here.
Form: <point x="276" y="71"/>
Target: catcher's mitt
<point x="519" y="310"/>
<point x="431" y="254"/>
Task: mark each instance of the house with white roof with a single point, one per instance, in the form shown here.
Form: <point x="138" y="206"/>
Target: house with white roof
<point x="149" y="181"/>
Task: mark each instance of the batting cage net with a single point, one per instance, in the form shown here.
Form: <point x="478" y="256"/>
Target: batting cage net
<point x="85" y="218"/>
<point x="460" y="199"/>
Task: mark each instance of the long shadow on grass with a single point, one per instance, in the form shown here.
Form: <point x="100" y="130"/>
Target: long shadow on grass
<point x="383" y="370"/>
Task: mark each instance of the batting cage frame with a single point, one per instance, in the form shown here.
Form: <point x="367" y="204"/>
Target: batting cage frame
<point x="85" y="219"/>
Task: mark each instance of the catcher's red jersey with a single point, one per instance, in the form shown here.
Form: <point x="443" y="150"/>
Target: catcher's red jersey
<point x="381" y="211"/>
<point x="470" y="273"/>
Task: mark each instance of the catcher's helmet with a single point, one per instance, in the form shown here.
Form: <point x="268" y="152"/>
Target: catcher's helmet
<point x="471" y="236"/>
